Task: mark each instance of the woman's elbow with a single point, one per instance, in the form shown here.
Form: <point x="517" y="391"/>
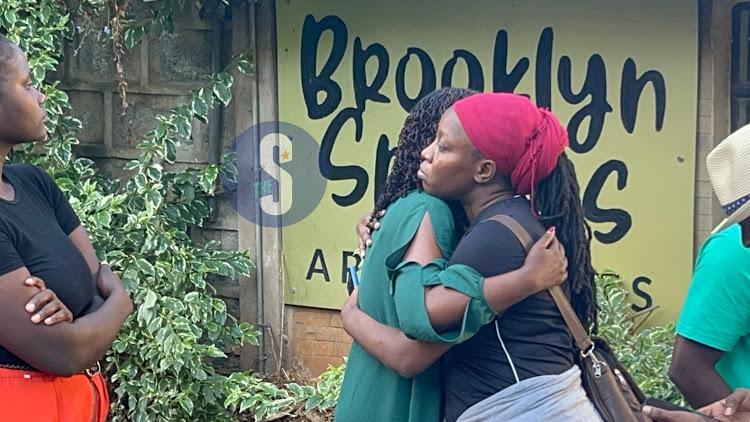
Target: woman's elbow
<point x="62" y="365"/>
<point x="408" y="369"/>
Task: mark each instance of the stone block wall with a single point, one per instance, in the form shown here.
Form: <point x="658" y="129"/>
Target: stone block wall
<point x="160" y="73"/>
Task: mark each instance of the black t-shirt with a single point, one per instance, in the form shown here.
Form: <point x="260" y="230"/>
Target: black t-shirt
<point x="533" y="330"/>
<point x="34" y="230"/>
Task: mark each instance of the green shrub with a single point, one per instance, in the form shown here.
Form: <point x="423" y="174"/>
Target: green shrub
<point x="159" y="366"/>
<point x="646" y="353"/>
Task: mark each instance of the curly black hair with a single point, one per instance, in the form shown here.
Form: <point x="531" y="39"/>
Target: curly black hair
<point x="558" y="200"/>
<point x="418" y="132"/>
<point x="7" y="52"/>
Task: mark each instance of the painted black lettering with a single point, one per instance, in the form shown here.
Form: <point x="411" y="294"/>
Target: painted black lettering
<point x="363" y="91"/>
<point x="595" y="86"/>
<point x="502" y="81"/>
<point x="333" y="172"/>
<point x="474" y="68"/>
<point x="428" y="77"/>
<point x="593" y="213"/>
<point x="313" y="269"/>
<point x="313" y="83"/>
<point x="630" y="94"/>
<point x="543" y="77"/>
<point x="642" y="294"/>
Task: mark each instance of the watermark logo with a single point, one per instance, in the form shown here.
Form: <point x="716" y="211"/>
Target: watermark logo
<point x="278" y="179"/>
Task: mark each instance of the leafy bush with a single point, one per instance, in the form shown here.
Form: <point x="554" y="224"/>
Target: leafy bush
<point x="647" y="353"/>
<point x="271" y="402"/>
<point x="159" y="366"/>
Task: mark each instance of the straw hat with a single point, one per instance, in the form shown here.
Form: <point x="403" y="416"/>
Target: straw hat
<point x="729" y="170"/>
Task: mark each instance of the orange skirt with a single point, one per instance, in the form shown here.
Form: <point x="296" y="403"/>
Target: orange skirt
<point x="31" y="396"/>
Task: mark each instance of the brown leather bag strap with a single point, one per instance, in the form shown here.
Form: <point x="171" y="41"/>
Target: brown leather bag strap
<point x="580" y="335"/>
<point x="514" y="226"/>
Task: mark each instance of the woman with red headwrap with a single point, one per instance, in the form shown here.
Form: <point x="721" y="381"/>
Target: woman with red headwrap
<point x="410" y="389"/>
<point x="491" y="150"/>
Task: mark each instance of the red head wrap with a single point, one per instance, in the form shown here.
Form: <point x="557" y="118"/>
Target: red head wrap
<point x="522" y="139"/>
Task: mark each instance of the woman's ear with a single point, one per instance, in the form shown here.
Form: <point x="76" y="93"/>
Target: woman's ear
<point x="485" y="171"/>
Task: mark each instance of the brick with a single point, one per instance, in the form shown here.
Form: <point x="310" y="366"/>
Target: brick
<point x="706" y="85"/>
<point x="88" y="107"/>
<point x="705" y="124"/>
<point x="184" y="56"/>
<point x="302" y="331"/>
<point x="705" y="142"/>
<point x="113" y="168"/>
<point x="323" y="348"/>
<point x="703" y="189"/>
<point x="129" y="129"/>
<point x="347" y="337"/>
<point x="329" y="333"/>
<point x="705" y="223"/>
<point x="319" y="364"/>
<point x="313" y="317"/>
<point x="336" y="320"/>
<point x="341" y="349"/>
<point x="701" y="172"/>
<point x="226" y="217"/>
<point x="703" y="206"/>
<point x="303" y="347"/>
<point x="95" y="63"/>
<point x="229" y="240"/>
<point x="705" y="107"/>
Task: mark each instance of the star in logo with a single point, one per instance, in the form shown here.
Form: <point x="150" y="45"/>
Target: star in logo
<point x="285" y="155"/>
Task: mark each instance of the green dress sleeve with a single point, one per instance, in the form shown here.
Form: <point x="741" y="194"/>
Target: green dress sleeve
<point x="408" y="285"/>
<point x="409" y="279"/>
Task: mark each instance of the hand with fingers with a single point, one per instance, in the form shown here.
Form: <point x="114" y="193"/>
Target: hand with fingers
<point x="45" y="305"/>
<point x="365" y="226"/>
<point x="661" y="415"/>
<point x="738" y="401"/>
<point x="107" y="281"/>
<point x="735" y="408"/>
<point x="546" y="262"/>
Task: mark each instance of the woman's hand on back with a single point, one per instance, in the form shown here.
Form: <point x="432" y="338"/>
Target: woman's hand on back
<point x="546" y="265"/>
<point x="365" y="226"/>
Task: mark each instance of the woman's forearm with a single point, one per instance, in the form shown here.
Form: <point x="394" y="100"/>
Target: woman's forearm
<point x="446" y="307"/>
<point x="98" y="329"/>
<point x="69" y="348"/>
<point x="390" y="346"/>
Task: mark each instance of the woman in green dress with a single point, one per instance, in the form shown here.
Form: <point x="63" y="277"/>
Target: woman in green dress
<point x="404" y="391"/>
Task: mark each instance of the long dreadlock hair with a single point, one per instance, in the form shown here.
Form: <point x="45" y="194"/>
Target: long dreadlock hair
<point x="420" y="128"/>
<point x="557" y="198"/>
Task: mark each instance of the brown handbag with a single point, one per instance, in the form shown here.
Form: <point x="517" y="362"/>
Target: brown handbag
<point x="610" y="387"/>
